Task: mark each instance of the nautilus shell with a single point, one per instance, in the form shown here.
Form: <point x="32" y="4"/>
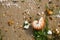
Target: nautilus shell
<point x="38" y="24"/>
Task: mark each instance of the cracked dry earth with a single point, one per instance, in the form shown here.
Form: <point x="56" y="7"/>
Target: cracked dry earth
<point x="14" y="13"/>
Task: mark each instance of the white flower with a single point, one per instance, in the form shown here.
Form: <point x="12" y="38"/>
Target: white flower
<point x="49" y="32"/>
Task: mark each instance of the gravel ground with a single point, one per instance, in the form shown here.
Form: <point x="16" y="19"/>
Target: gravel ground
<point x="14" y="13"/>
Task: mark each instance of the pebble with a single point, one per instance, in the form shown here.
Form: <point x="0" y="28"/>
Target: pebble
<point x="58" y="16"/>
<point x="38" y="13"/>
<point x="26" y="22"/>
<point x="26" y="26"/>
<point x="21" y="26"/>
<point x="27" y="11"/>
<point x="38" y="7"/>
<point x="49" y="12"/>
<point x="10" y="22"/>
<point x="57" y="31"/>
<point x="50" y="18"/>
<point x="8" y="4"/>
<point x="42" y="12"/>
<point x="58" y="25"/>
<point x="17" y="23"/>
<point x="50" y="1"/>
<point x="49" y="32"/>
<point x="14" y="1"/>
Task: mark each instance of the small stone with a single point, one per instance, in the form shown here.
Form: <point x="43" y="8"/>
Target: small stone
<point x="30" y="19"/>
<point x="28" y="13"/>
<point x="21" y="26"/>
<point x="10" y="22"/>
<point x="58" y="25"/>
<point x="50" y="1"/>
<point x="58" y="16"/>
<point x="39" y="14"/>
<point x="38" y="7"/>
<point x="49" y="12"/>
<point x="22" y="1"/>
<point x="57" y="31"/>
<point x="42" y="12"/>
<point x="50" y="18"/>
<point x="8" y="5"/>
<point x="14" y="1"/>
<point x="26" y="24"/>
<point x="49" y="32"/>
<point x="17" y="24"/>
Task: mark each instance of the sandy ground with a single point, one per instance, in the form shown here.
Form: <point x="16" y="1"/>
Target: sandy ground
<point x="15" y="13"/>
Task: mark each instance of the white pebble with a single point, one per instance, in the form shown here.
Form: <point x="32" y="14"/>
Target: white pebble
<point x="42" y="12"/>
<point x="26" y="22"/>
<point x="57" y="30"/>
<point x="49" y="32"/>
<point x="58" y="16"/>
<point x="8" y="4"/>
<point x="26" y="26"/>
